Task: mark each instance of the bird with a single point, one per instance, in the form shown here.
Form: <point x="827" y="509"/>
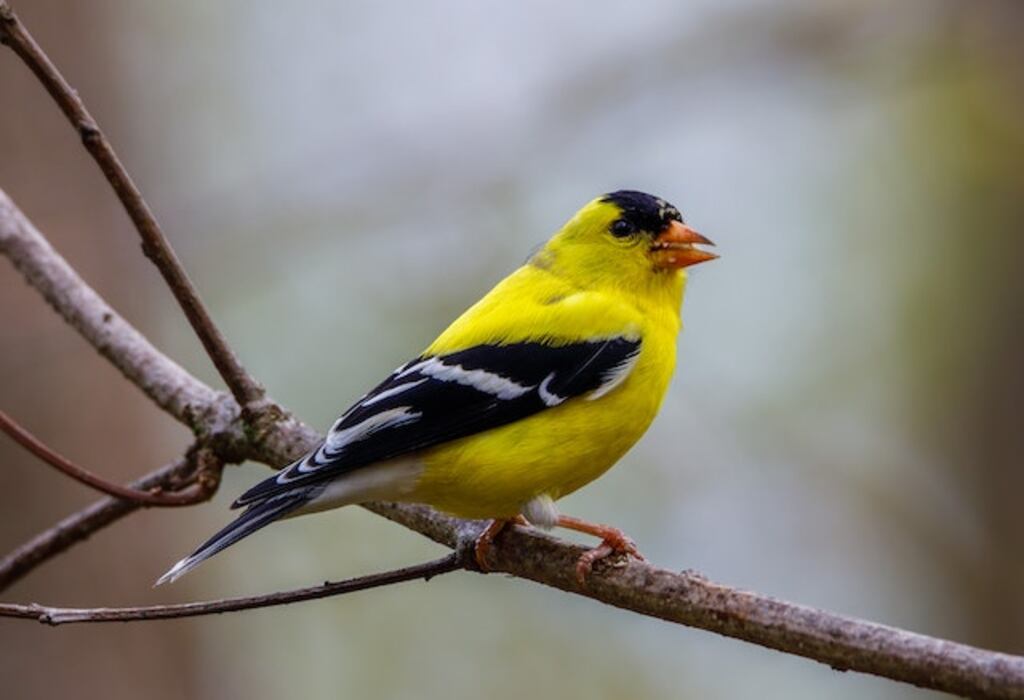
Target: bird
<point x="533" y="392"/>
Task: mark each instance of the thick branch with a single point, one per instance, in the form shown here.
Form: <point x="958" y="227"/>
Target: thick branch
<point x="63" y="616"/>
<point x="165" y="382"/>
<point x="13" y="32"/>
<point x="196" y="494"/>
<point x="688" y="598"/>
<point x="844" y="643"/>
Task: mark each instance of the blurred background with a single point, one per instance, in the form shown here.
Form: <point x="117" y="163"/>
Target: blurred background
<point x="341" y="180"/>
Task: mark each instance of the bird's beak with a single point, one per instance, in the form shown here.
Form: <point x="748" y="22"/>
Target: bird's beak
<point x="675" y="248"/>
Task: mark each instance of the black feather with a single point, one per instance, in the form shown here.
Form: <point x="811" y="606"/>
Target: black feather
<point x="447" y="410"/>
<point x="644" y="211"/>
<point x="256" y="517"/>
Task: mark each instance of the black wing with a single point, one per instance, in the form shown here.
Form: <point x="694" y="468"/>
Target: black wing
<point x="435" y="399"/>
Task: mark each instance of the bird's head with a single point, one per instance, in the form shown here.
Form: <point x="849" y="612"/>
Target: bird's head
<point x="627" y="239"/>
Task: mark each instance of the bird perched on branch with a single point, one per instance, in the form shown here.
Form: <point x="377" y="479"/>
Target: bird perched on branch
<point x="536" y="390"/>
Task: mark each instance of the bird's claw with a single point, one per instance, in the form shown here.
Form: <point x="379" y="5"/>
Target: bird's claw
<point x="617" y="543"/>
<point x="613" y="542"/>
<point x="482" y="545"/>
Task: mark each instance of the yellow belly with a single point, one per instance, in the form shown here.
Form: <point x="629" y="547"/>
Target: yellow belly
<point x="554" y="452"/>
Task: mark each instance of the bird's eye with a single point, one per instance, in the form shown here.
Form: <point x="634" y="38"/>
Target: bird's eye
<point x="622" y="228"/>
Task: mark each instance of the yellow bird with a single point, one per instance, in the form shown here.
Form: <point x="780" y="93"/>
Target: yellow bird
<point x="536" y="390"/>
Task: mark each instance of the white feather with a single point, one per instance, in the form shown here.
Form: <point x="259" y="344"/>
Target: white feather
<point x="393" y="417"/>
<point x="479" y="379"/>
<point x="337" y="440"/>
<point x="385" y="481"/>
<point x="541" y="511"/>
<point x="388" y="393"/>
<point x="615" y="376"/>
<point x="549" y="398"/>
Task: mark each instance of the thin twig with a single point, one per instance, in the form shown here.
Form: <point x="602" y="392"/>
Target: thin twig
<point x="79" y="526"/>
<point x="688" y="599"/>
<point x="196" y="494"/>
<point x="246" y="390"/>
<point x="63" y="616"/>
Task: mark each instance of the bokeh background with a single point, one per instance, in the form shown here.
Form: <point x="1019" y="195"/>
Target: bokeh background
<point x="845" y="429"/>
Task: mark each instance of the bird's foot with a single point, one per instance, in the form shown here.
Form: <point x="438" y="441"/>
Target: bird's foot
<point x="613" y="541"/>
<point x="482" y="546"/>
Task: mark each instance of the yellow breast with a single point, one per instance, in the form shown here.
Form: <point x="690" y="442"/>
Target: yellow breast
<point x="554" y="452"/>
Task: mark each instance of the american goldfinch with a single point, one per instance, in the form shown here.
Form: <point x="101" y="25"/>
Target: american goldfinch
<point x="534" y="391"/>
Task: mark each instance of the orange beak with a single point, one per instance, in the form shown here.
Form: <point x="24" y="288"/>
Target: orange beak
<point x="675" y="248"/>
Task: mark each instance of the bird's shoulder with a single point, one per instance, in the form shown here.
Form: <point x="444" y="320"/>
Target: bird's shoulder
<point x="531" y="305"/>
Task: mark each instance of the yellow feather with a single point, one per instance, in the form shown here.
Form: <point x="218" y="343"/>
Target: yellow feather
<point x="583" y="285"/>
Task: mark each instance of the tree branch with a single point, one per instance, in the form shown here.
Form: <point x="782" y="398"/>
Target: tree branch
<point x="63" y="616"/>
<point x="844" y="643"/>
<point x="79" y="526"/>
<point x="197" y="494"/>
<point x="246" y="390"/>
<point x="689" y="599"/>
<point x="168" y="385"/>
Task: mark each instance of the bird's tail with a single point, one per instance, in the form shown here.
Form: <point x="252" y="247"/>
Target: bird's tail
<point x="252" y="519"/>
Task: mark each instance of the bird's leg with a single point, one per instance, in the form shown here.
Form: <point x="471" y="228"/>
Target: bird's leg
<point x="613" y="541"/>
<point x="482" y="546"/>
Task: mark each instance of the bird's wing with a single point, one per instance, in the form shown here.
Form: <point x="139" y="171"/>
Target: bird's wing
<point x="437" y="398"/>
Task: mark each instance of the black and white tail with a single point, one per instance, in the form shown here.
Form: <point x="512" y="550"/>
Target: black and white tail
<point x="252" y="519"/>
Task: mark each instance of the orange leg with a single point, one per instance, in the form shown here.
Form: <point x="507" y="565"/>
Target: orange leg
<point x="482" y="546"/>
<point x="613" y="541"/>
